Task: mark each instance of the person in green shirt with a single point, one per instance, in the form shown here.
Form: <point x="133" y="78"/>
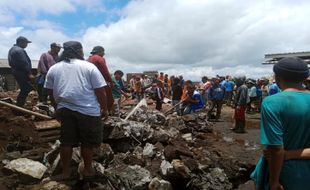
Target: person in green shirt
<point x="117" y="90"/>
<point x="285" y="131"/>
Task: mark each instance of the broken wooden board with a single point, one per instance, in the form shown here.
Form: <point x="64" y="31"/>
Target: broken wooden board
<point x="46" y="125"/>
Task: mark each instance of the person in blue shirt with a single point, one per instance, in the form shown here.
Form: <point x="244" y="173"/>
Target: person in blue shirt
<point x="273" y="89"/>
<point x="194" y="101"/>
<point x="216" y="96"/>
<point x="229" y="87"/>
<point x="285" y="130"/>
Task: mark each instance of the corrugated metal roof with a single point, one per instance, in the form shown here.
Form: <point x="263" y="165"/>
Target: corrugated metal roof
<point x="289" y="54"/>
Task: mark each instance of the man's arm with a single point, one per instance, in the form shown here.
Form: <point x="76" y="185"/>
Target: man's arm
<point x="275" y="166"/>
<point x="102" y="99"/>
<point x="43" y="63"/>
<point x="303" y="154"/>
<point x="53" y="102"/>
<point x="21" y="58"/>
<point x="192" y="100"/>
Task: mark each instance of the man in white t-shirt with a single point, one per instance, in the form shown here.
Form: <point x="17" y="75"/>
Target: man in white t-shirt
<point x="77" y="90"/>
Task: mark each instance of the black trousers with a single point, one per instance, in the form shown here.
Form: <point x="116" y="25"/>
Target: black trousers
<point x="22" y="79"/>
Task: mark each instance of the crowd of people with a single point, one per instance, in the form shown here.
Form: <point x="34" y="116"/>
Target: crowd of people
<point x="84" y="92"/>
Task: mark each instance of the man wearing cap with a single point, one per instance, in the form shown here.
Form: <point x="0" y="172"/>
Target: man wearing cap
<point x="76" y="88"/>
<point x="47" y="60"/>
<point x="285" y="131"/>
<point x="97" y="59"/>
<point x="20" y="64"/>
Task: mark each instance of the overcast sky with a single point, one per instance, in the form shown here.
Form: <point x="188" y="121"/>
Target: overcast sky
<point x="181" y="37"/>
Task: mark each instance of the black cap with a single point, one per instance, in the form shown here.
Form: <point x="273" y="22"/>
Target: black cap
<point x="97" y="49"/>
<point x="72" y="45"/>
<point x="54" y="44"/>
<point x="291" y="69"/>
<point x="22" y="39"/>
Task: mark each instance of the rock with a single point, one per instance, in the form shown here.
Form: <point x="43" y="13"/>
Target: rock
<point x="166" y="168"/>
<point x="180" y="168"/>
<point x="175" y="150"/>
<point x="160" y="136"/>
<point x="145" y="115"/>
<point x="249" y="185"/>
<point x="133" y="159"/>
<point x="170" y="153"/>
<point x="130" y="177"/>
<point x="157" y="184"/>
<point x="49" y="185"/>
<point x="149" y="150"/>
<point x="153" y="166"/>
<point x="218" y="179"/>
<point x="105" y="154"/>
<point x="53" y="185"/>
<point x="187" y="137"/>
<point x="215" y="179"/>
<point x="219" y="174"/>
<point x="159" y="146"/>
<point x="27" y="167"/>
<point x="191" y="163"/>
<point x="202" y="115"/>
<point x="189" y="118"/>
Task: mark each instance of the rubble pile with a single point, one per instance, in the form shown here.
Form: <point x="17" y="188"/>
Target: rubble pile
<point x="147" y="151"/>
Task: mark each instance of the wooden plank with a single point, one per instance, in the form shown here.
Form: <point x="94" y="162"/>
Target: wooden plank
<point x="42" y="116"/>
<point x="47" y="125"/>
<point x="50" y="139"/>
<point x="49" y="133"/>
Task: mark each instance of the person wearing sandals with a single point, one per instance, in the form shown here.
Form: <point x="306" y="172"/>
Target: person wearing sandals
<point x="80" y="100"/>
<point x="285" y="131"/>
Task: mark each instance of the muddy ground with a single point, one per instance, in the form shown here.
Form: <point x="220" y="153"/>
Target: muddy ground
<point x="229" y="151"/>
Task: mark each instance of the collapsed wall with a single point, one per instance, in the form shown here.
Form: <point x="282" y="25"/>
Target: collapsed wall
<point x="149" y="151"/>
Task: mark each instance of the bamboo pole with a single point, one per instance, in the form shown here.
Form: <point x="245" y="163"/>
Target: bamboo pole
<point x="39" y="115"/>
<point x="173" y="107"/>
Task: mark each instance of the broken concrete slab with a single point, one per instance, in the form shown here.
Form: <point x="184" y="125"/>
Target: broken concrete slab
<point x="104" y="154"/>
<point x="149" y="150"/>
<point x="180" y="168"/>
<point x="166" y="168"/>
<point x="27" y="167"/>
<point x="159" y="184"/>
<point x="132" y="177"/>
<point x="49" y="185"/>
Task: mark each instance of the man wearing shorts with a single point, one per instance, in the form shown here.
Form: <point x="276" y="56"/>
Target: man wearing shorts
<point x="77" y="90"/>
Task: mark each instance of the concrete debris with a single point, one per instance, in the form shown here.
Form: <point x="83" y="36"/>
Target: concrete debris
<point x="53" y="185"/>
<point x="190" y="117"/>
<point x="131" y="177"/>
<point x="159" y="184"/>
<point x="145" y="115"/>
<point x="149" y="150"/>
<point x="44" y="109"/>
<point x="187" y="137"/>
<point x="166" y="168"/>
<point x="180" y="168"/>
<point x="27" y="167"/>
<point x="104" y="154"/>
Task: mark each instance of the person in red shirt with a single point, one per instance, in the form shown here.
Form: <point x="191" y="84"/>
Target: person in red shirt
<point x="97" y="59"/>
<point x="161" y="77"/>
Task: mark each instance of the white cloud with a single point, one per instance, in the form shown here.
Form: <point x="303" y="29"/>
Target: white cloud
<point x="196" y="37"/>
<point x="33" y="7"/>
